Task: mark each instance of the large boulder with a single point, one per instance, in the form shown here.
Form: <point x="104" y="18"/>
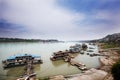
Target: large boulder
<point x="106" y="61"/>
<point x="91" y="74"/>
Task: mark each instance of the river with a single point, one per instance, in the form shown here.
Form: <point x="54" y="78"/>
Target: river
<point x="45" y="50"/>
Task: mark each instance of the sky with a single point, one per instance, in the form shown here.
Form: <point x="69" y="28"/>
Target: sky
<point x="59" y="19"/>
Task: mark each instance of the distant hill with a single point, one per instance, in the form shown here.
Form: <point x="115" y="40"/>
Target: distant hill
<point x="26" y="40"/>
<point x="109" y="38"/>
<point x="112" y="37"/>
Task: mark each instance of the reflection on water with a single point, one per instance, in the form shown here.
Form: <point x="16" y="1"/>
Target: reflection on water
<point x="45" y="50"/>
<point x="58" y="63"/>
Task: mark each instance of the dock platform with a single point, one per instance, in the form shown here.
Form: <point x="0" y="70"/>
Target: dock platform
<point x="29" y="75"/>
<point x="78" y="64"/>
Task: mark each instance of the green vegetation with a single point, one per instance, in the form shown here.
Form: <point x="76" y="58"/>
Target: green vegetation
<point x="17" y="40"/>
<point x="111" y="45"/>
<point x="116" y="71"/>
<point x="25" y="40"/>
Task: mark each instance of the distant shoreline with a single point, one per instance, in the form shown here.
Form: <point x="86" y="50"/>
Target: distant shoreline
<point x="26" y="40"/>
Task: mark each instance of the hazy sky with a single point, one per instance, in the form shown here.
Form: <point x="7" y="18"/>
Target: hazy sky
<point x="59" y="19"/>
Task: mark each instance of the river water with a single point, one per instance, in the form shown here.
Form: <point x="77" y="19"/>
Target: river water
<point x="45" y="50"/>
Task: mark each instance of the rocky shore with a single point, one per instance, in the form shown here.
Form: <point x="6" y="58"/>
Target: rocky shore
<point x="92" y="74"/>
<point x="108" y="61"/>
<point x="101" y="73"/>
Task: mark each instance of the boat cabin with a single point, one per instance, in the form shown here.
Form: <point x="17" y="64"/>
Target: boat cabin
<point x="21" y="59"/>
<point x="59" y="55"/>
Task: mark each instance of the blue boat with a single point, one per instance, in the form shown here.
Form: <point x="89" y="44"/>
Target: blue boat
<point x="21" y="59"/>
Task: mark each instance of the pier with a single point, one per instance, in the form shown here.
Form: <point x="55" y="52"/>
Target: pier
<point x="67" y="56"/>
<point x="27" y="60"/>
<point x="29" y="72"/>
<point x="78" y="64"/>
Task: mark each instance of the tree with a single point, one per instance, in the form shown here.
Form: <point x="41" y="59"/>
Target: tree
<point x="116" y="71"/>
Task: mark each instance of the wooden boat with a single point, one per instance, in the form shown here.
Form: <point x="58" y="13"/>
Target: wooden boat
<point x="59" y="55"/>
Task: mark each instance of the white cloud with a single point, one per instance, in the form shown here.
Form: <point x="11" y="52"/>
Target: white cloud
<point x="45" y="19"/>
<point x="42" y="16"/>
<point x="104" y="22"/>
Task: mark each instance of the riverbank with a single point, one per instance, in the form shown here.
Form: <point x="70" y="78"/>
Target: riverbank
<point x="101" y="73"/>
<point x="108" y="61"/>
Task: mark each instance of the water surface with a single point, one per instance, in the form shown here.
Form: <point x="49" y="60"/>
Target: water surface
<point x="45" y="50"/>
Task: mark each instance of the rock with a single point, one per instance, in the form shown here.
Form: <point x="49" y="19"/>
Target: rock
<point x="109" y="77"/>
<point x="58" y="77"/>
<point x="106" y="68"/>
<point x="91" y="74"/>
<point x="106" y="61"/>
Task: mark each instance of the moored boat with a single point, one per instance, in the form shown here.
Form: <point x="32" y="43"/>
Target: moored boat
<point x="82" y="52"/>
<point x="21" y="59"/>
<point x="75" y="49"/>
<point x="84" y="46"/>
<point x="59" y="55"/>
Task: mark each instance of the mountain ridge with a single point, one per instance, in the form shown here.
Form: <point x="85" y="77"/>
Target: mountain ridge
<point x="111" y="37"/>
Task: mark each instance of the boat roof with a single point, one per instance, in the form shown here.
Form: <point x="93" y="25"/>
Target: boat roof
<point x="20" y="55"/>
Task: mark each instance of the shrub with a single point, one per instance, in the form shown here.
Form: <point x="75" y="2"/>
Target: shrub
<point x="116" y="71"/>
